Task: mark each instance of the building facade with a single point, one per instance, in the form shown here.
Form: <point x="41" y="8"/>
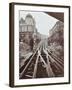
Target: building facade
<point x="27" y="28"/>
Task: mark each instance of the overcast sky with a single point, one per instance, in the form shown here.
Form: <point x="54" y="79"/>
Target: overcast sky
<point x="44" y="22"/>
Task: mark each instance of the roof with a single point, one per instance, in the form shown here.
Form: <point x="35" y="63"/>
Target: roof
<point x="21" y="21"/>
<point x="29" y="15"/>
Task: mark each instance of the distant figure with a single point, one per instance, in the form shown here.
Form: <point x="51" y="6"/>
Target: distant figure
<point x="31" y="43"/>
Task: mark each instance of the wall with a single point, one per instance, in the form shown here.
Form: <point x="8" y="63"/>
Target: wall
<point x="4" y="44"/>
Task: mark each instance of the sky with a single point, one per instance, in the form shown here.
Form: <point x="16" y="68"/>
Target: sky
<point x="44" y="22"/>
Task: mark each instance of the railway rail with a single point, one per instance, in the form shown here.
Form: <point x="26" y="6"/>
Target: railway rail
<point x="42" y="64"/>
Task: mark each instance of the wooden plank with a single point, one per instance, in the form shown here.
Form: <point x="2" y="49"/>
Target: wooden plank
<point x="35" y="68"/>
<point x="56" y="63"/>
<point x="24" y="60"/>
<point x="27" y="65"/>
<point x="49" y="69"/>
